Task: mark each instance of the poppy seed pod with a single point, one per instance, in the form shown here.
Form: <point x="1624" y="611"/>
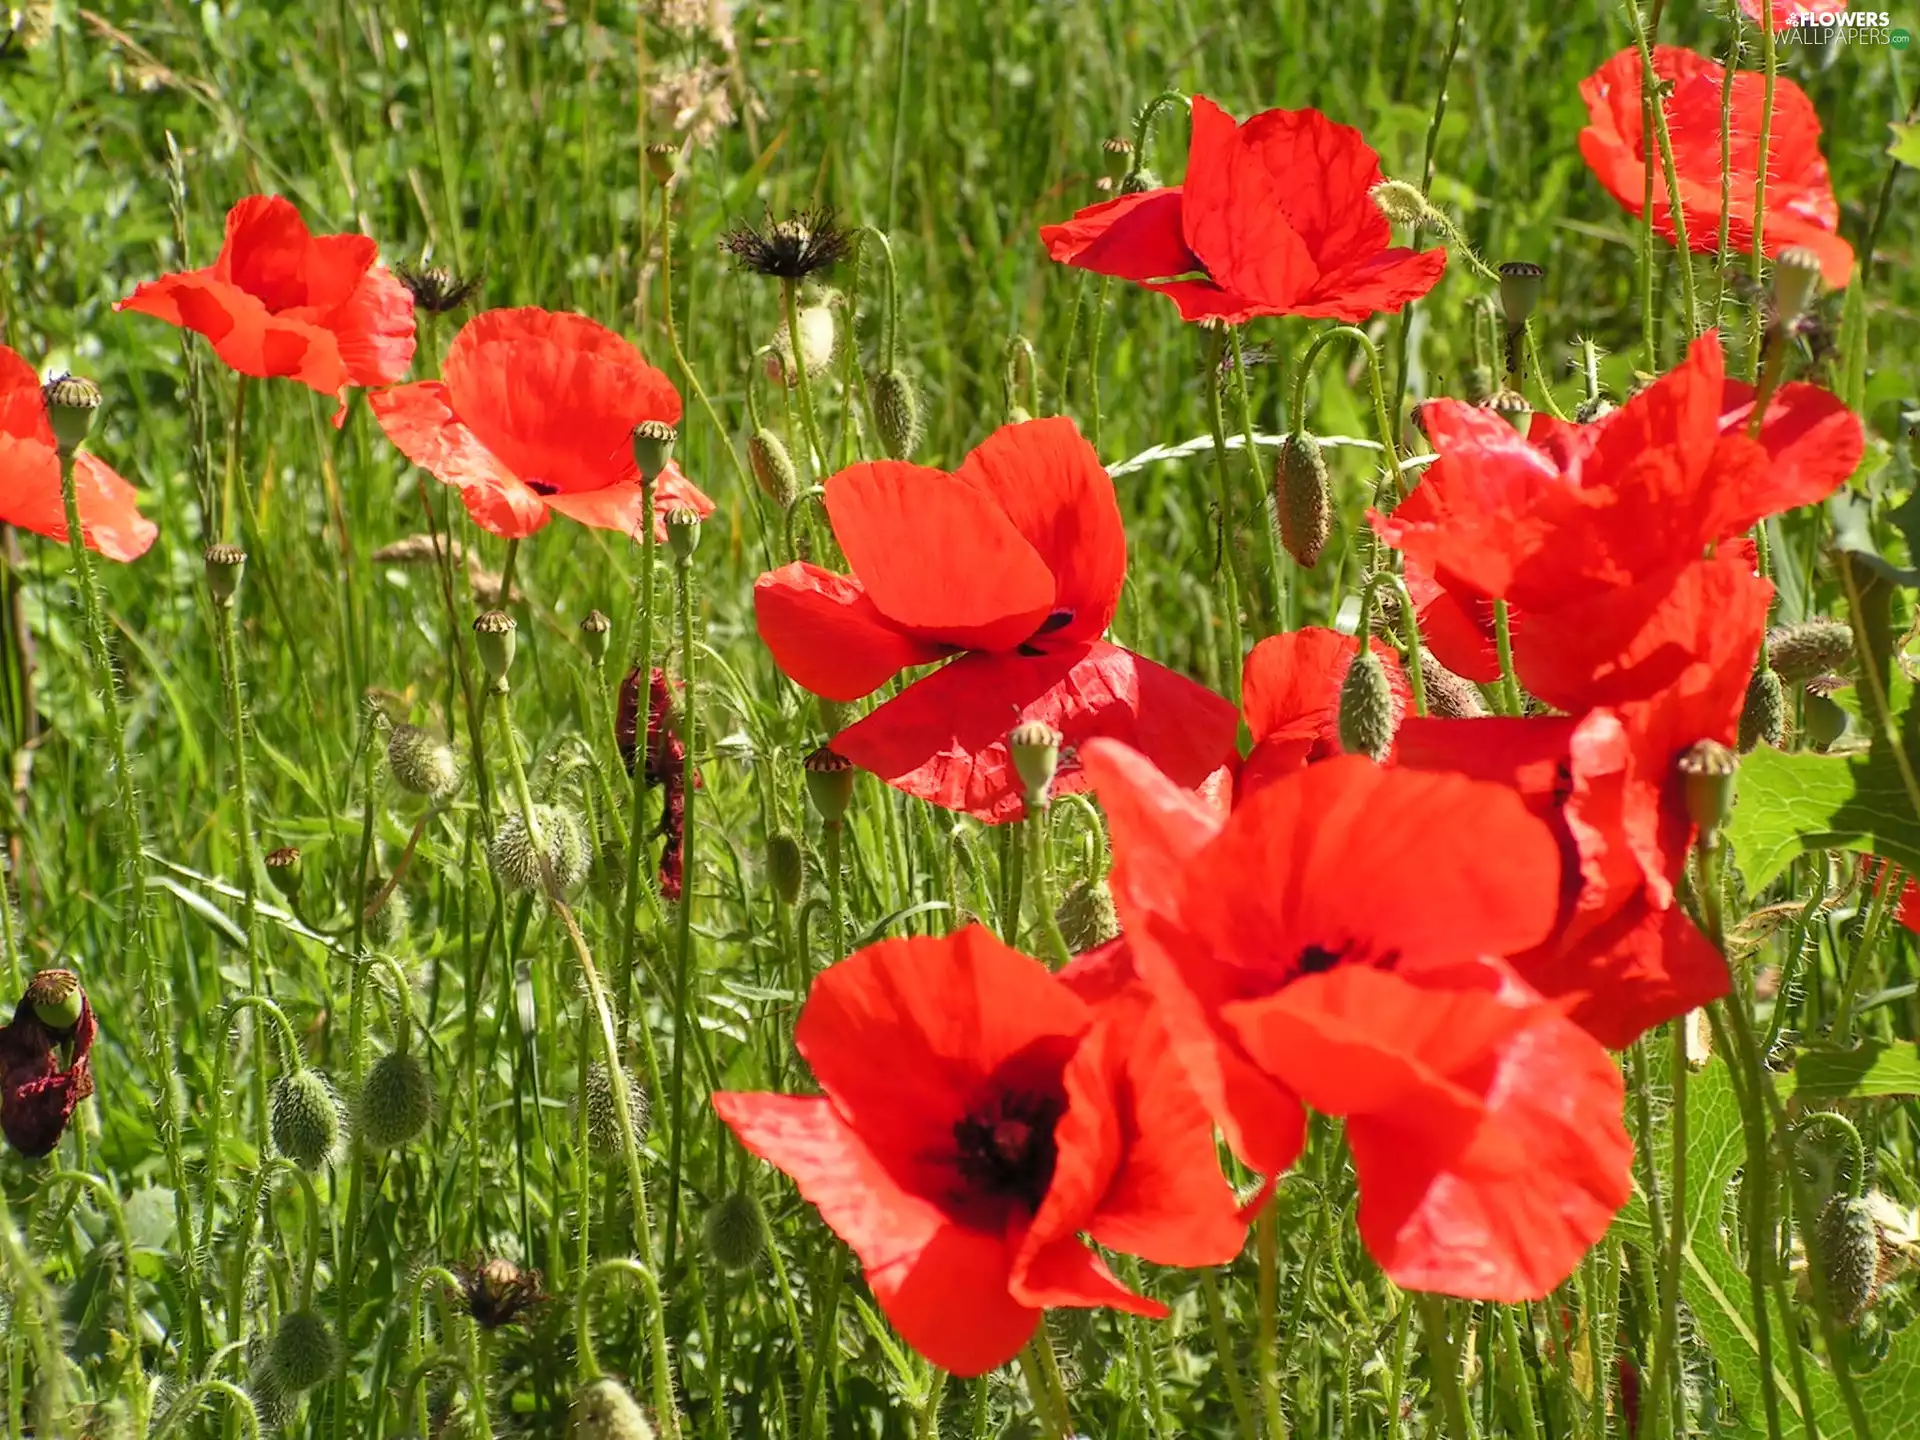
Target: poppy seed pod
<point x="1823" y="719"/>
<point x="603" y="1121"/>
<point x="1796" y="280"/>
<point x="829" y="783"/>
<point x="396" y="1101"/>
<point x="1087" y="917"/>
<point x="225" y="565"/>
<point x="773" y="468"/>
<point x="786" y="867"/>
<point x="1813" y="647"/>
<point x="57" y="998"/>
<point x="683" y="533"/>
<point x="71" y="403"/>
<point x="736" y="1232"/>
<point x="1849" y="1240"/>
<point x="493" y="637"/>
<point x="1521" y="283"/>
<point x="1511" y="406"/>
<point x="815" y="350"/>
<point x="594" y="633"/>
<point x="1117" y="154"/>
<point x="1035" y="747"/>
<point x="663" y="159"/>
<point x="1707" y="771"/>
<point x="1302" y="497"/>
<point x="304" y="1118"/>
<point x="1763" y="715"/>
<point x="653" y="442"/>
<point x="896" y="413"/>
<point x="603" y="1410"/>
<point x="284" y="870"/>
<point x="303" y="1351"/>
<point x="421" y="763"/>
<point x="1366" y="707"/>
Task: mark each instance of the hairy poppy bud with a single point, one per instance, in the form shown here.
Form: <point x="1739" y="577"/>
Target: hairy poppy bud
<point x="225" y="565"/>
<point x="1796" y="280"/>
<point x="493" y="637"/>
<point x="396" y="1101"/>
<point x="594" y="633"/>
<point x="662" y="160"/>
<point x="71" y="403"/>
<point x="1824" y="719"/>
<point x="603" y="1410"/>
<point x="1401" y="203"/>
<point x="1036" y="755"/>
<point x="1087" y="917"/>
<point x="274" y="1406"/>
<point x="421" y="763"/>
<point x="284" y="870"/>
<point x="390" y="918"/>
<point x="1512" y="406"/>
<point x="815" y="349"/>
<point x="1476" y="383"/>
<point x="786" y="866"/>
<point x="1366" y="707"/>
<point x="1849" y="1242"/>
<point x="304" y="1118"/>
<point x="829" y="783"/>
<point x="1813" y="647"/>
<point x="1449" y="696"/>
<point x="773" y="468"/>
<point x="1763" y="715"/>
<point x="653" y="447"/>
<point x="1707" y="772"/>
<point x="1521" y="282"/>
<point x="1117" y="154"/>
<point x="1138" y="182"/>
<point x="1302" y="498"/>
<point x="603" y="1120"/>
<point x="56" y="998"/>
<point x="736" y="1232"/>
<point x="303" y="1351"/>
<point x="1018" y="414"/>
<point x="896" y="413"/>
<point x="1588" y="411"/>
<point x="683" y="532"/>
<point x="554" y="851"/>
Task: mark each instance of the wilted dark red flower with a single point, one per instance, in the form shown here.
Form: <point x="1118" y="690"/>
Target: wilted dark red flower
<point x="1014" y="562"/>
<point x="978" y="1117"/>
<point x="497" y="1292"/>
<point x="280" y="301"/>
<point x="1276" y="217"/>
<point x="1290" y="695"/>
<point x="30" y="496"/>
<point x="1335" y="942"/>
<point x="52" y="1022"/>
<point x="665" y="765"/>
<point x="535" y="415"/>
<point x="1801" y="209"/>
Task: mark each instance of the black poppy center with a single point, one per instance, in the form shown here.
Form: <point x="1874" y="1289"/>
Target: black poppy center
<point x="1006" y="1146"/>
<point x="541" y="487"/>
<point x="1318" y="959"/>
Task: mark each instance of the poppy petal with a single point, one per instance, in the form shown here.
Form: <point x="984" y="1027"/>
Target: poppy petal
<point x="938" y="555"/>
<point x="265" y="253"/>
<point x="420" y="421"/>
<point x="1053" y="488"/>
<point x="826" y="635"/>
<point x="1458" y="629"/>
<point x="1813" y="443"/>
<point x="1381" y="285"/>
<point x="944" y="1287"/>
<point x="23" y="409"/>
<point x="1066" y="1273"/>
<point x="1233" y="212"/>
<point x="30" y="497"/>
<point x="243" y="332"/>
<point x="375" y="330"/>
<point x="944" y="738"/>
<point x="1636" y="969"/>
<point x="1131" y="237"/>
<point x="1290" y="694"/>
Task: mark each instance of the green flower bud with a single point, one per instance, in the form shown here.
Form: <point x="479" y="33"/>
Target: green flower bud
<point x="829" y="783"/>
<point x="1707" y="771"/>
<point x="304" y="1118"/>
<point x="773" y="468"/>
<point x="683" y="532"/>
<point x="273" y="1404"/>
<point x="1302" y="498"/>
<point x="594" y="633"/>
<point x="1035" y="747"/>
<point x="1018" y="414"/>
<point x="71" y="403"/>
<point x="225" y="565"/>
<point x="1849" y="1241"/>
<point x="284" y="870"/>
<point x="1449" y="696"/>
<point x="1401" y="203"/>
<point x="603" y="1410"/>
<point x="1813" y="647"/>
<point x="396" y="1101"/>
<point x="56" y="997"/>
<point x="303" y="1351"/>
<point x="554" y="851"/>
<point x="1366" y="707"/>
<point x="1476" y="384"/>
<point x="421" y="763"/>
<point x="736" y="1232"/>
<point x="603" y="1118"/>
<point x="786" y="866"/>
<point x="493" y="637"/>
<point x="1086" y="916"/>
<point x="1796" y="280"/>
<point x="896" y="413"/>
<point x="653" y="447"/>
<point x="1521" y="283"/>
<point x="1763" y="715"/>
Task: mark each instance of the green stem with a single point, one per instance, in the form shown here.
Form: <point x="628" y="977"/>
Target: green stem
<point x="1039" y="868"/>
<point x="1520" y="1384"/>
<point x="637" y="825"/>
<point x="229" y="632"/>
<point x="683" y="929"/>
<point x="1277" y="573"/>
<point x="835" y="835"/>
<point x="1266" y="1342"/>
<point x="1093" y="358"/>
<point x="1224" y="1355"/>
<point x="1770" y="65"/>
<point x="1417" y="240"/>
<point x="1444" y="1362"/>
<point x="1656" y="115"/>
<point x="803" y="384"/>
<point x="820" y="1360"/>
<point x="1503" y="642"/>
<point x="666" y="1413"/>
<point x="1230" y="555"/>
<point x="1046" y="1409"/>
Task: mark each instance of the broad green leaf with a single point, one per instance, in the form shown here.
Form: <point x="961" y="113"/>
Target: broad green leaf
<point x="1871" y="1068"/>
<point x="1793" y="803"/>
<point x="1906" y="144"/>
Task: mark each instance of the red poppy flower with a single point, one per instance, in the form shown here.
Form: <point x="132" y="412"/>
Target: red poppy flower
<point x="1800" y="206"/>
<point x="978" y="1117"/>
<point x="1276" y="218"/>
<point x="1334" y="943"/>
<point x="1290" y="695"/>
<point x="280" y="301"/>
<point x="30" y="495"/>
<point x="1016" y="560"/>
<point x="536" y="414"/>
<point x="38" y="1094"/>
<point x="1786" y="13"/>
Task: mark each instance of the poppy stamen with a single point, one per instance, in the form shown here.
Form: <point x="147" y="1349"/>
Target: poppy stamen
<point x="1006" y="1147"/>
